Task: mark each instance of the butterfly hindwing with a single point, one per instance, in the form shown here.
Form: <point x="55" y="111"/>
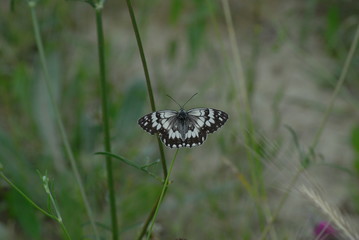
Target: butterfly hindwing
<point x="193" y="136"/>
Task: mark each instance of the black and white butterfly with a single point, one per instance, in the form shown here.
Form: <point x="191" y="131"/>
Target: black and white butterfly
<point x="183" y="128"/>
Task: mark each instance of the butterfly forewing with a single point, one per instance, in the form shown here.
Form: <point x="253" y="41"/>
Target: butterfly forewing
<point x="183" y="129"/>
<point x="157" y="122"/>
<point x="208" y="119"/>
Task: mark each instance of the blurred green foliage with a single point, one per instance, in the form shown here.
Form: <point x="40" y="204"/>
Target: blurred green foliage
<point x="29" y="139"/>
<point x="23" y="212"/>
<point x="355" y="145"/>
<point x="197" y="17"/>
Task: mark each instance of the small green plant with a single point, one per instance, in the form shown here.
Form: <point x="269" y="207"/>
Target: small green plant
<point x="53" y="206"/>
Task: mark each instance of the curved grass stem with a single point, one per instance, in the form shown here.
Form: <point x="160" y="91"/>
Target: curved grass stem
<point x="26" y="197"/>
<point x="64" y="137"/>
<point x="153" y="108"/>
<point x="148" y="80"/>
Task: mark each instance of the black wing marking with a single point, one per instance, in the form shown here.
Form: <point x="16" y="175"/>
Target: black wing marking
<point x="208" y="119"/>
<point x="193" y="137"/>
<point x="157" y="122"/>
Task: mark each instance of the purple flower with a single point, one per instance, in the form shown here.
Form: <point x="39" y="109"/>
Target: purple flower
<point x="324" y="231"/>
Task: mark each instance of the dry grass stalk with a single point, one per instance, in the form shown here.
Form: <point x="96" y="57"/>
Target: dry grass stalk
<point x="332" y="212"/>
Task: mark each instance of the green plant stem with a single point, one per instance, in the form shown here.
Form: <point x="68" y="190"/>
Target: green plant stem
<point x="106" y="128"/>
<point x="156" y="205"/>
<point x="148" y="80"/>
<point x="64" y="137"/>
<point x="149" y="218"/>
<point x="164" y="189"/>
<point x="63" y="227"/>
<point x="318" y="133"/>
<point x="153" y="107"/>
<point x="26" y="197"/>
<point x="58" y="214"/>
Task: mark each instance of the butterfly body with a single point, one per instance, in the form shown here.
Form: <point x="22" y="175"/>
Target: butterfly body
<point x="183" y="128"/>
<point x="183" y="123"/>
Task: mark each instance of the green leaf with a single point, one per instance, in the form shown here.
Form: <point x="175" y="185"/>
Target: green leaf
<point x="356" y="164"/>
<point x="195" y="36"/>
<point x="355" y="139"/>
<point x="12" y="5"/>
<point x="175" y="10"/>
<point x="333" y="24"/>
<point x="172" y="49"/>
<point x="21" y="87"/>
<point x="295" y="139"/>
<point x="305" y="159"/>
<point x="132" y="164"/>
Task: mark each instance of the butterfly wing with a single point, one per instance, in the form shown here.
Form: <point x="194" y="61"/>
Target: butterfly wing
<point x="195" y="136"/>
<point x="208" y="119"/>
<point x="157" y="122"/>
<point x="199" y="122"/>
<point x="192" y="137"/>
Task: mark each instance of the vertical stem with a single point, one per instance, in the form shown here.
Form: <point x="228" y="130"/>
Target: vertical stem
<point x="153" y="107"/>
<point x="106" y="129"/>
<point x="164" y="188"/>
<point x="148" y="80"/>
<point x="148" y="220"/>
<point x="58" y="214"/>
<point x="60" y="124"/>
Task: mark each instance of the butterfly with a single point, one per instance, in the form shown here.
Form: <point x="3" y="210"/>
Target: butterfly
<point x="183" y="128"/>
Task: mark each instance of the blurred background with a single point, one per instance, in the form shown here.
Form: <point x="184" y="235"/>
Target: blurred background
<point x="292" y="54"/>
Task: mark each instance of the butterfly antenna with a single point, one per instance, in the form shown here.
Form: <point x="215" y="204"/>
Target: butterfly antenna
<point x="190" y="99"/>
<point x="174" y="101"/>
